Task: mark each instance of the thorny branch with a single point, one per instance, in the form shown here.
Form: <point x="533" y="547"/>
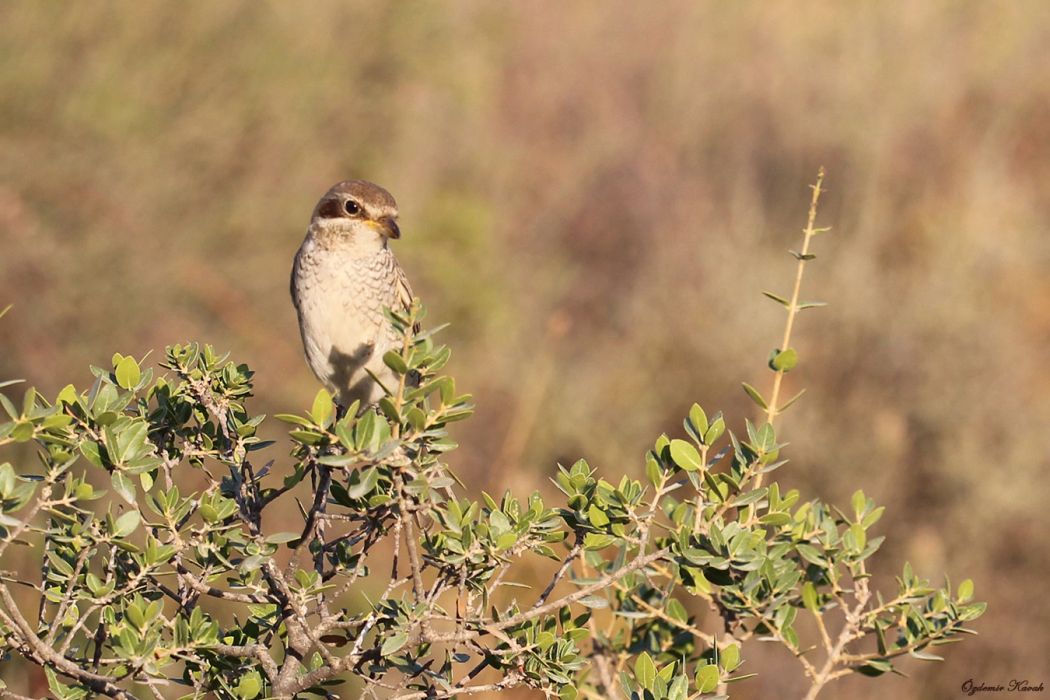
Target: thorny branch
<point x="391" y="576"/>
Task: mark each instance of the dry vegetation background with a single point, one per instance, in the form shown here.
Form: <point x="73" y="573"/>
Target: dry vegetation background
<point x="594" y="195"/>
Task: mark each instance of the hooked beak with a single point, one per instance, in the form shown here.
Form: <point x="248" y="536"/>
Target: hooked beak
<point x="389" y="227"/>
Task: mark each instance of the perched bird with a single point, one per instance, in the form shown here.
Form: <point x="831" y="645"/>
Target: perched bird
<point x="343" y="277"/>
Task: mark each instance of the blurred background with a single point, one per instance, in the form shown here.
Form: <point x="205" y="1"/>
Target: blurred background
<point x="594" y="195"/>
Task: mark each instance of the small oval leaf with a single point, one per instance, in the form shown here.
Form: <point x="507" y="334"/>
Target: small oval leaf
<point x="128" y="373"/>
<point x="685" y="455"/>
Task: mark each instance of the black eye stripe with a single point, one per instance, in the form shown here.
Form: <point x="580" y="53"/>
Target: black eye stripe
<point x="330" y="209"/>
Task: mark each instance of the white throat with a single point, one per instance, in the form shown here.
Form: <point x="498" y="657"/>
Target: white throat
<point x="355" y="239"/>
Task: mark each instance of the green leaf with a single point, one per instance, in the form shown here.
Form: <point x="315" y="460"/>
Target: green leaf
<point x="718" y="427"/>
<point x="389" y="409"/>
<point x="416" y="418"/>
<point x="249" y="686"/>
<point x="365" y="432"/>
<point x="972" y="611"/>
<point x="872" y="517"/>
<point x="809" y="596"/>
<point x="730" y="657"/>
<point x="706" y="678"/>
<point x="394" y="643"/>
<point x="652" y="471"/>
<point x="749" y="497"/>
<point x="859" y="502"/>
<point x="68" y="395"/>
<point x="394" y="361"/>
<point x="339" y="460"/>
<point x="965" y="592"/>
<point x="766" y="438"/>
<point x="791" y="401"/>
<point x="135" y="616"/>
<point x="880" y="637"/>
<point x="810" y="554"/>
<point x="61" y="690"/>
<point x="645" y="670"/>
<point x="699" y="419"/>
<point x="59" y="564"/>
<point x="94" y="584"/>
<point x="594" y="541"/>
<point x="368" y="479"/>
<point x="860" y="537"/>
<point x="875" y="667"/>
<point x="127" y="523"/>
<point x="9" y="407"/>
<point x="7" y="479"/>
<point x="124" y="486"/>
<point x="679" y="688"/>
<point x="685" y="455"/>
<point x="323" y="407"/>
<point x="306" y="437"/>
<point x="293" y="419"/>
<point x="282" y="537"/>
<point x="128" y="373"/>
<point x="775" y="519"/>
<point x="714" y="486"/>
<point x="784" y="360"/>
<point x="925" y="655"/>
<point x="755" y="396"/>
<point x="498" y="521"/>
<point x="209" y="513"/>
<point x="676" y="610"/>
<point x="22" y="432"/>
<point x="597" y="516"/>
<point x="594" y="601"/>
<point x="778" y="299"/>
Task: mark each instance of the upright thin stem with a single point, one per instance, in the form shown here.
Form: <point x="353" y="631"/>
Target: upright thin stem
<point x="772" y="406"/>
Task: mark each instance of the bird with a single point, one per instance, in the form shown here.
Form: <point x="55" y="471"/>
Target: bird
<point x="343" y="278"/>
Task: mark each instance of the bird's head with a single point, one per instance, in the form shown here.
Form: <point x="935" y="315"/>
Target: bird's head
<point x="358" y="213"/>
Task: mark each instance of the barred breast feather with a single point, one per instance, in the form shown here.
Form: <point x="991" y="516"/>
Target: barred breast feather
<point x="340" y="300"/>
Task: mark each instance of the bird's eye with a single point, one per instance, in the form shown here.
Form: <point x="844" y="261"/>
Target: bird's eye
<point x="352" y="207"/>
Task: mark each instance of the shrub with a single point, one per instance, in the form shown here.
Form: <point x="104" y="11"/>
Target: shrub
<point x="145" y="588"/>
